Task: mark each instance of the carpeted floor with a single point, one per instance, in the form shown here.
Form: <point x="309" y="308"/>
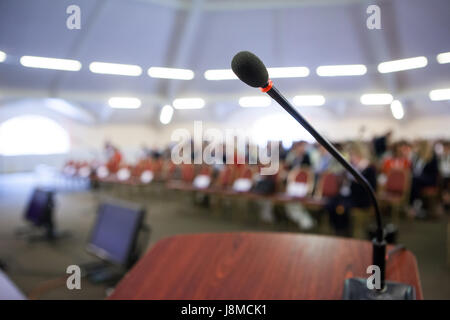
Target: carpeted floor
<point x="37" y="268"/>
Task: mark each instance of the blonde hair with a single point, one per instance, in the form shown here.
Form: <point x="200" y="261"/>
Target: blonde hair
<point x="359" y="149"/>
<point x="424" y="150"/>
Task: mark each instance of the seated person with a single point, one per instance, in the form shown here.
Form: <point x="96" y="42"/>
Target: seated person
<point x="425" y="172"/>
<point x="113" y="156"/>
<point x="380" y="144"/>
<point x="352" y="194"/>
<point x="400" y="159"/>
<point x="298" y="156"/>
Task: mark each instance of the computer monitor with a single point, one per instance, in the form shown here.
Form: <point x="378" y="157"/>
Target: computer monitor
<point x="114" y="235"/>
<point x="39" y="208"/>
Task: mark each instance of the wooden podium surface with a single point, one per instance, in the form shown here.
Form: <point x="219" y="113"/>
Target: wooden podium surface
<point x="256" y="266"/>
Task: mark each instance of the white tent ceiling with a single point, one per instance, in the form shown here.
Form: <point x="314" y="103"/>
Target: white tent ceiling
<point x="201" y="35"/>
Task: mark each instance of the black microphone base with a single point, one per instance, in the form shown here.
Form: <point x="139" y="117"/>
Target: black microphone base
<point x="356" y="289"/>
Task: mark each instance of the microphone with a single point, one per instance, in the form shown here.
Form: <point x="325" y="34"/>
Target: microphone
<point x="252" y="71"/>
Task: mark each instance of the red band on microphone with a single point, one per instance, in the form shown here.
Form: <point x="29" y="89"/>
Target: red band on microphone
<point x="268" y="87"/>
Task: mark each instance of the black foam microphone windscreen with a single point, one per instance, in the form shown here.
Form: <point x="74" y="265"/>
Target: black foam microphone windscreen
<point x="250" y="69"/>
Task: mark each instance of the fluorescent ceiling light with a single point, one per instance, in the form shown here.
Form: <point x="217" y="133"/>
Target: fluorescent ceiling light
<point x="50" y="63"/>
<point x="188" y="103"/>
<point x="309" y="100"/>
<point x="254" y="101"/>
<point x="376" y="98"/>
<point x="341" y="70"/>
<point x="171" y="73"/>
<point x="443" y="57"/>
<point x="166" y="114"/>
<point x="124" y="103"/>
<point x="115" y="68"/>
<point x="440" y="94"/>
<point x="397" y="110"/>
<point x="403" y="64"/>
<point x="220" y="74"/>
<point x="2" y="56"/>
<point x="288" y="72"/>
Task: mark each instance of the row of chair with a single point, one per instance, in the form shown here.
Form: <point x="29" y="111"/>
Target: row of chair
<point x="299" y="184"/>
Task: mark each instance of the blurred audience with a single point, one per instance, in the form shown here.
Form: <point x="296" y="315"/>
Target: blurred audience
<point x="427" y="162"/>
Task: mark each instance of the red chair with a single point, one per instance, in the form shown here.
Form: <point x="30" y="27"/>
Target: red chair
<point x="157" y="168"/>
<point x="113" y="166"/>
<point x="225" y="178"/>
<point x="187" y="172"/>
<point x="431" y="196"/>
<point x="170" y="171"/>
<point x="395" y="192"/>
<point x="205" y="170"/>
<point x="69" y="168"/>
<point x="202" y="180"/>
<point x="124" y="174"/>
<point x="142" y="166"/>
<point x="243" y="171"/>
<point x="180" y="177"/>
<point x="299" y="175"/>
<point x="302" y="175"/>
<point x="397" y="183"/>
<point x="84" y="170"/>
<point x="328" y="186"/>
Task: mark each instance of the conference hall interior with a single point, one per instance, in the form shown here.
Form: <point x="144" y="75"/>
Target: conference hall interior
<point x="126" y="137"/>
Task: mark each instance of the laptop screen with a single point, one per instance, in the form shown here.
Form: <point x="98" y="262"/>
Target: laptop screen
<point x="114" y="232"/>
